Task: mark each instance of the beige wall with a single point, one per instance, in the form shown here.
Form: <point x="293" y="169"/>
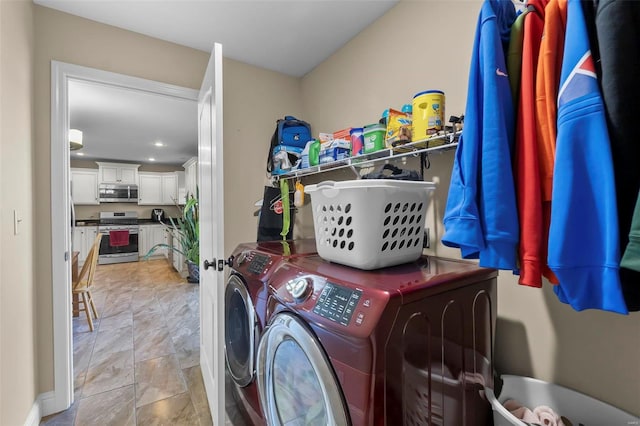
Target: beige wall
<point x="421" y="45"/>
<point x="253" y="99"/>
<point x="18" y="346"/>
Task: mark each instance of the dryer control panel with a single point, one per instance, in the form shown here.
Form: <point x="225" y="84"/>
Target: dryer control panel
<point x="337" y="303"/>
<point x="256" y="263"/>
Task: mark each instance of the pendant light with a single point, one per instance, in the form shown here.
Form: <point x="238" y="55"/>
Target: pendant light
<point x="75" y="139"/>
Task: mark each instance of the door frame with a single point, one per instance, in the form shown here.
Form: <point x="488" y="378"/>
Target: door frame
<point x="61" y="74"/>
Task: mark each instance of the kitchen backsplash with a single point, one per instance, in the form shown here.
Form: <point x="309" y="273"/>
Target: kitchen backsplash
<point x="144" y="212"/>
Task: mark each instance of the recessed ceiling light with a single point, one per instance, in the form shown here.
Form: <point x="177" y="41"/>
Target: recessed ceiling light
<point x="158" y="143"/>
<point x="152" y="159"/>
<point x="80" y="154"/>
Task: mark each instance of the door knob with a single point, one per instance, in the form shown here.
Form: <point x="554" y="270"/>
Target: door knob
<point x="208" y="264"/>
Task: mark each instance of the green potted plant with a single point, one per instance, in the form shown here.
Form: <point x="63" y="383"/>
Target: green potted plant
<point x="186" y="229"/>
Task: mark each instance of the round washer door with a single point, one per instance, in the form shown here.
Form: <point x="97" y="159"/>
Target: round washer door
<point x="239" y="331"/>
<point x="296" y="383"/>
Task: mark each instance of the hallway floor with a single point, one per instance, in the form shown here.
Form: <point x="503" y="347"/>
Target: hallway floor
<point x="141" y="364"/>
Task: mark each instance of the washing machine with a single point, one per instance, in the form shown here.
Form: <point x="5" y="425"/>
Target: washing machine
<point x="406" y="345"/>
<point x="245" y="314"/>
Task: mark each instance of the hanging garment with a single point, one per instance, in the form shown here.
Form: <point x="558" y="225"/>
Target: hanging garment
<point x="547" y="82"/>
<point x="584" y="250"/>
<point x="631" y="258"/>
<point x="527" y="170"/>
<point x="618" y="37"/>
<point x="481" y="217"/>
<point x="514" y="55"/>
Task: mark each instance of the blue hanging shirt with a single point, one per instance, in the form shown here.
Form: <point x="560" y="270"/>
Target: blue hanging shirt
<point x="583" y="238"/>
<point x="481" y="216"/>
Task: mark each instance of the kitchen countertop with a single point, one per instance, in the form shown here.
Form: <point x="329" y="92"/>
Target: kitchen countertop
<point x="153" y="222"/>
<point x="87" y="222"/>
<point x="96" y="222"/>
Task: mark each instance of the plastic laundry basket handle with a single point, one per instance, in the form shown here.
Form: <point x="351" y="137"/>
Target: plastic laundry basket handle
<point x="328" y="189"/>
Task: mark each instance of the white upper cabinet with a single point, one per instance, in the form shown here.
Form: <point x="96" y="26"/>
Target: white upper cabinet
<point x="150" y="188"/>
<point x="169" y="188"/>
<point x="182" y="192"/>
<point x="157" y="188"/>
<point x="84" y="186"/>
<point x="191" y="176"/>
<point x="118" y="173"/>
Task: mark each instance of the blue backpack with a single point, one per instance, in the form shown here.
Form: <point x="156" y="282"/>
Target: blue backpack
<point x="292" y="133"/>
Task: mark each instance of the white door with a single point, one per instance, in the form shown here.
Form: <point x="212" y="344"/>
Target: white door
<point x="210" y="183"/>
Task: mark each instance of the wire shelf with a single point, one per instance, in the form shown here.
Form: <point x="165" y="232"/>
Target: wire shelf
<point x="433" y="144"/>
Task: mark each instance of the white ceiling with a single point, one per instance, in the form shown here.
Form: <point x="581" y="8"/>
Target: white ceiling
<point x="124" y="125"/>
<point x="291" y="37"/>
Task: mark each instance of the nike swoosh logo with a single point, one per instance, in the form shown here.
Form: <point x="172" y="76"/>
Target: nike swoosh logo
<point x="501" y="73"/>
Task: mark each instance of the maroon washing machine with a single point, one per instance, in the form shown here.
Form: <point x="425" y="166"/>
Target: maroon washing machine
<point x="406" y="345"/>
<point x="245" y="313"/>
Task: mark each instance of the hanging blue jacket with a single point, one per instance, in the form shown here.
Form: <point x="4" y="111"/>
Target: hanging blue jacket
<point x="481" y="216"/>
<point x="583" y="238"/>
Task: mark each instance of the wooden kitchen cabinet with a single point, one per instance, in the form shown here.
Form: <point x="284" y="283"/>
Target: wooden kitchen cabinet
<point x="83" y="238"/>
<point x="118" y="173"/>
<point x="84" y="186"/>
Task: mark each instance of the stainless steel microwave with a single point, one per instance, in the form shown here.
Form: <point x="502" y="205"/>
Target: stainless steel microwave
<point x="118" y="193"/>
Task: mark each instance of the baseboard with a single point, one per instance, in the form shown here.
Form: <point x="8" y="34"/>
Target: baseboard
<point x="34" y="416"/>
<point x="47" y="403"/>
<point x="42" y="406"/>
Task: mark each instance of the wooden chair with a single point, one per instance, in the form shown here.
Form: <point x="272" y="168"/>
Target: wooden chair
<point x="82" y="285"/>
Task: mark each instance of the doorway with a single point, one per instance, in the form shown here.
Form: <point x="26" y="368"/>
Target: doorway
<point x="62" y="75"/>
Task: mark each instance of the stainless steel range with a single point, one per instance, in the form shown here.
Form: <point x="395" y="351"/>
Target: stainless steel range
<point x="120" y="237"/>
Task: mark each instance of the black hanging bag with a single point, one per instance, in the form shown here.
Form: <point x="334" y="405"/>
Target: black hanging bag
<point x="270" y="221"/>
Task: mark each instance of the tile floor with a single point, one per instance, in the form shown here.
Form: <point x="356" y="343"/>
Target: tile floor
<point x="140" y="366"/>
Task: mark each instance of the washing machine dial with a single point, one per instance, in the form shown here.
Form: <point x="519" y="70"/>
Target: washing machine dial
<point x="299" y="288"/>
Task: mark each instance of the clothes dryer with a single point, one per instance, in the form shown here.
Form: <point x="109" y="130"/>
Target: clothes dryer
<point x="406" y="345"/>
<point x="245" y="313"/>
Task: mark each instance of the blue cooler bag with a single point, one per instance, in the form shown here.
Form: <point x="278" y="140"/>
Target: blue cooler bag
<point x="293" y="132"/>
<point x="290" y="137"/>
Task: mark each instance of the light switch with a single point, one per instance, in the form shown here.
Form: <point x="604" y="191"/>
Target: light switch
<point x="17" y="220"/>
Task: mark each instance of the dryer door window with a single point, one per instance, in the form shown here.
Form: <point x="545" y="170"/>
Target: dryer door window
<point x="296" y="382"/>
<point x="240" y="324"/>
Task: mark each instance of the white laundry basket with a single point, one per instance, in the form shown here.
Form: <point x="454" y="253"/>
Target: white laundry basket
<point x="576" y="407"/>
<point x="370" y="223"/>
